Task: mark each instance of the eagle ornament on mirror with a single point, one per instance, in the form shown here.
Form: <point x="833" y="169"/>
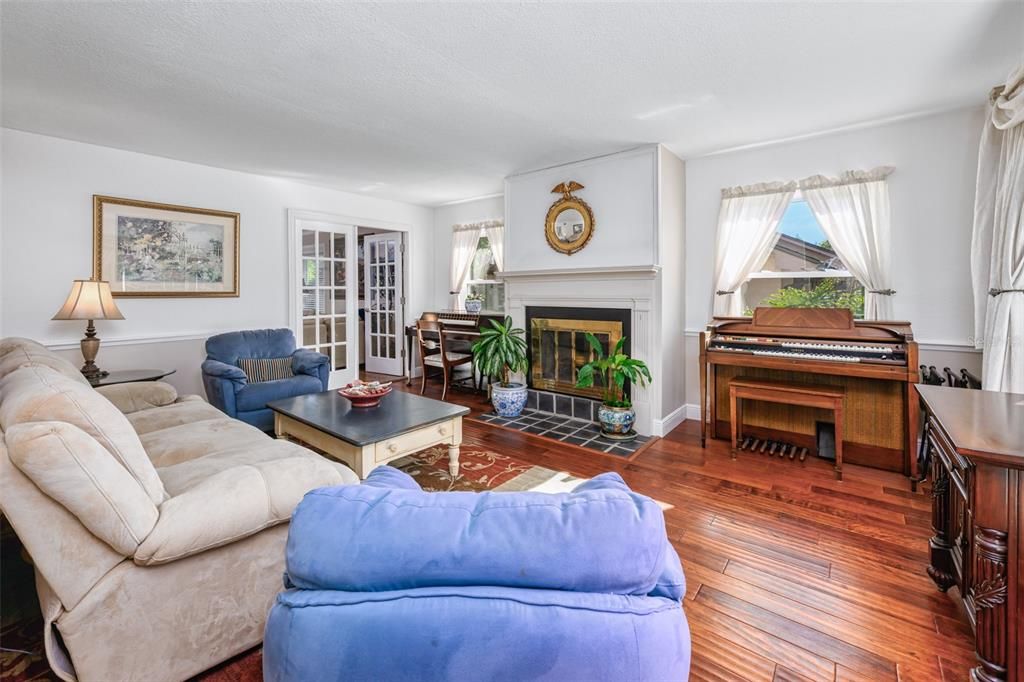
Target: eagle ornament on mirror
<point x="570" y="222"/>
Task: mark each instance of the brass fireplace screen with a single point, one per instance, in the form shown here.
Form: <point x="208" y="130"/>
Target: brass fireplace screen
<point x="558" y="348"/>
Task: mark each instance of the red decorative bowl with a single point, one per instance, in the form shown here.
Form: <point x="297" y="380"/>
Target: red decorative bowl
<point x="364" y="397"/>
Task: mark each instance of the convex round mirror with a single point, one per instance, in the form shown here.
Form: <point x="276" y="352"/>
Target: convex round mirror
<point x="570" y="222"/>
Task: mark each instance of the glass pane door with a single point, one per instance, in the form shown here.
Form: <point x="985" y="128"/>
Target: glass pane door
<point x="326" y="307"/>
<point x="382" y="257"/>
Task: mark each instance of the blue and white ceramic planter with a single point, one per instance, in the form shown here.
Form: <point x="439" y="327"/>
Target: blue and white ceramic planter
<point x="474" y="307"/>
<point x="617" y="421"/>
<point x="509" y="400"/>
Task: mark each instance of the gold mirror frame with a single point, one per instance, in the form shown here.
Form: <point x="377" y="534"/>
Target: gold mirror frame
<point x="568" y="201"/>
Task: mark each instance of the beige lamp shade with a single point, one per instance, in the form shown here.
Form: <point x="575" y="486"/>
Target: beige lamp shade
<point x="89" y="300"/>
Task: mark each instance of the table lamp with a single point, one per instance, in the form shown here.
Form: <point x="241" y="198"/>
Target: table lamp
<point x="90" y="300"/>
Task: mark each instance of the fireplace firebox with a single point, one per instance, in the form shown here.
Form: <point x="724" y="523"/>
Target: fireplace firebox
<point x="558" y="345"/>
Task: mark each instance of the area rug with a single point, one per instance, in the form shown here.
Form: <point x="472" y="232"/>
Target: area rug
<point x="479" y="470"/>
<point x="21" y="645"/>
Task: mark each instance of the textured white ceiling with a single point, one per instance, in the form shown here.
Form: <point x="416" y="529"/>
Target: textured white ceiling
<point x="434" y="102"/>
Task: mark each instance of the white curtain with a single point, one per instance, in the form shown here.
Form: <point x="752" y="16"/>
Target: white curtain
<point x="997" y="247"/>
<point x="494" y="230"/>
<point x="464" y="241"/>
<point x="853" y="212"/>
<point x="747" y="220"/>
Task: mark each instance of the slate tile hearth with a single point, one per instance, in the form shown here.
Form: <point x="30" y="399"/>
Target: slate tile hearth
<point x="582" y="432"/>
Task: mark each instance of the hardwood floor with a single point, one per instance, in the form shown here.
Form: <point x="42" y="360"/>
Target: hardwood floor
<point x="791" y="575"/>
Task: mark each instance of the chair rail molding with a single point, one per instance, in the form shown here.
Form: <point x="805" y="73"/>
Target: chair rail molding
<point x="59" y="345"/>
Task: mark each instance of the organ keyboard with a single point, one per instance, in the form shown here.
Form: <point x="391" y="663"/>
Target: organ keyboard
<point x="876" y="362"/>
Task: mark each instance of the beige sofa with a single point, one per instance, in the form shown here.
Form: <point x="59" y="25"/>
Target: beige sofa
<point x="155" y="523"/>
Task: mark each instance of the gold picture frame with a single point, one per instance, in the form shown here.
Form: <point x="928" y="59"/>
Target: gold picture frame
<point x="569" y="224"/>
<point x="146" y="249"/>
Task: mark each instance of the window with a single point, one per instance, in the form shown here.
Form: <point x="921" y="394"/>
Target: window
<point x="803" y="270"/>
<point x="483" y="279"/>
<point x="324" y="287"/>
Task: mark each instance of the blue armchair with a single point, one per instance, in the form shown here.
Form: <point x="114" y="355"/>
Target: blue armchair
<point x="229" y="389"/>
<point x="387" y="582"/>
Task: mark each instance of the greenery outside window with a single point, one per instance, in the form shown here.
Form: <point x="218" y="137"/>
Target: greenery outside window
<point x="803" y="270"/>
<point x="483" y="279"/>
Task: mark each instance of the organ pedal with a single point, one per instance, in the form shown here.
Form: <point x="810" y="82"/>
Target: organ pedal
<point x="772" y="447"/>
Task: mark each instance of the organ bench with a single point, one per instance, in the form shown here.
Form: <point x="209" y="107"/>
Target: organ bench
<point x="788" y="393"/>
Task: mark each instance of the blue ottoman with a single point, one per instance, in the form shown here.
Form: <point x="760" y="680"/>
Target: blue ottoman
<point x="387" y="582"/>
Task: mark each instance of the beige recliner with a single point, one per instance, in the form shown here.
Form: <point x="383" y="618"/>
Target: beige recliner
<point x="155" y="523"/>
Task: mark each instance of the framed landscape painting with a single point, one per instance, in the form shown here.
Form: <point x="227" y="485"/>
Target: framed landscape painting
<point x="148" y="249"/>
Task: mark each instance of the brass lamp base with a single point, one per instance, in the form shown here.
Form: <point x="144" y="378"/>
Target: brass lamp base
<point x="90" y="347"/>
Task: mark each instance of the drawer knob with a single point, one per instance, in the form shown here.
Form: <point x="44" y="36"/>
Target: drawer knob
<point x="443" y="430"/>
<point x="392" y="447"/>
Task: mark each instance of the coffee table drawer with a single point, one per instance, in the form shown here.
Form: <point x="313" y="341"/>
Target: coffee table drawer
<point x="414" y="441"/>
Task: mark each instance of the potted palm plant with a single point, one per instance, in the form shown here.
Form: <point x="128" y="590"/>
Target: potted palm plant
<point x="499" y="353"/>
<point x="616" y="412"/>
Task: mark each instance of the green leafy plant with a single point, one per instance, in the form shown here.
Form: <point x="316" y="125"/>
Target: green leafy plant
<point x="474" y="297"/>
<point x="616" y="369"/>
<point x="501" y="351"/>
<point x="827" y="293"/>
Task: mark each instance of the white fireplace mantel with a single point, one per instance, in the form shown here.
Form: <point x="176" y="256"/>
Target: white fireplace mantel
<point x="621" y="272"/>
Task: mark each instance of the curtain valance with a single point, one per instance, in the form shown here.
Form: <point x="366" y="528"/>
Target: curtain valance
<point x="481" y="225"/>
<point x="846" y="178"/>
<point x="851" y="177"/>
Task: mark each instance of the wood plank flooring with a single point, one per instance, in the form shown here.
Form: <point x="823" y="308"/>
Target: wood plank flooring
<point x="791" y="575"/>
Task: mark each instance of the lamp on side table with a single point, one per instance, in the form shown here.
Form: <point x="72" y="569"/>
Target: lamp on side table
<point x="90" y="300"/>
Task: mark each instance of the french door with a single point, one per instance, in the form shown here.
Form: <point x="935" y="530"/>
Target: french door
<point x="385" y="326"/>
<point x="323" y="286"/>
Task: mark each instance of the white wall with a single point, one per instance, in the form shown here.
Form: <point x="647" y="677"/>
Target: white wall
<point x="47" y="242"/>
<point x="671" y="257"/>
<point x="474" y="211"/>
<point x="621" y="189"/>
<point x="932" y="197"/>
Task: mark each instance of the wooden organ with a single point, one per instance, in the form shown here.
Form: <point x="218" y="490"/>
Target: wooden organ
<point x="874" y="362"/>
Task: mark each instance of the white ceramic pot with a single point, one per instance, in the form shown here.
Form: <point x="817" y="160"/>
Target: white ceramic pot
<point x="508" y="401"/>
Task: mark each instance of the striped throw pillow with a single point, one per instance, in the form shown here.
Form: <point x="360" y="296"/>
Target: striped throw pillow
<point x="266" y="369"/>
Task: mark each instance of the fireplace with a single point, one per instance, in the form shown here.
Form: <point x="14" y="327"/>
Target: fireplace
<point x="558" y="345"/>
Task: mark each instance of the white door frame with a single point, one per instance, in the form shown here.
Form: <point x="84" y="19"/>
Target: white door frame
<point x="394" y="366"/>
<point x="294" y="291"/>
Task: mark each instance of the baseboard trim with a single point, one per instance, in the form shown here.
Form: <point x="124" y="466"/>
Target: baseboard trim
<point x="662" y="427"/>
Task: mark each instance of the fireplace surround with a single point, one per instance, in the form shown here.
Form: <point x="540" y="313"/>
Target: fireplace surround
<point x="558" y="347"/>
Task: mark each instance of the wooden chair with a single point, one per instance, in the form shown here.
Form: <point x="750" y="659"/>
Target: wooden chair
<point x="435" y="354"/>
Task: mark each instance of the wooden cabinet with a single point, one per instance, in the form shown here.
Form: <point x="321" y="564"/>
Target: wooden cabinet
<point x="975" y="440"/>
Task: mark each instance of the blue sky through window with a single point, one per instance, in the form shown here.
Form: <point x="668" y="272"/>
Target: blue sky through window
<point x="798" y="221"/>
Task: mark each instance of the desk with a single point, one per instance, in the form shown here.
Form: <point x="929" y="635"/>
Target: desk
<point x="470" y="334"/>
<point x="975" y="440"/>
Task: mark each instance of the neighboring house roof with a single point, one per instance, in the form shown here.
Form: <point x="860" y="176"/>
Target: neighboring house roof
<point x="816" y="257"/>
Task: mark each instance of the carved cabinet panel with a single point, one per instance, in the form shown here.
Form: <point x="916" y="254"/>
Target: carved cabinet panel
<point x="977" y="514"/>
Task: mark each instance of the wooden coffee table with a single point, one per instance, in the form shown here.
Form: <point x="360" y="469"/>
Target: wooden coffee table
<point x="364" y="438"/>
